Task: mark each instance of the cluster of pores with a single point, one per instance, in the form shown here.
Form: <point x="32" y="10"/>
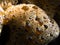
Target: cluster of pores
<point x="31" y="22"/>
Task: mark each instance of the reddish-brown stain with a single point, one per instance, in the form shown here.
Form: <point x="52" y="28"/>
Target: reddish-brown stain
<point x="25" y="8"/>
<point x="35" y="7"/>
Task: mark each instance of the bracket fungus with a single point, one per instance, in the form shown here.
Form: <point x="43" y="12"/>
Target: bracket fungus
<point x="29" y="25"/>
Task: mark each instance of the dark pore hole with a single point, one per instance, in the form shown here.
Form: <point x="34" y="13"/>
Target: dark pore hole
<point x="46" y="26"/>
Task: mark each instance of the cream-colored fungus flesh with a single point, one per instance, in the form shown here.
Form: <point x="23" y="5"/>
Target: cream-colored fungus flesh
<point x="30" y="24"/>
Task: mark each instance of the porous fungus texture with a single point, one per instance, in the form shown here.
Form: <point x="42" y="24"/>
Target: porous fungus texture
<point x="30" y="25"/>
